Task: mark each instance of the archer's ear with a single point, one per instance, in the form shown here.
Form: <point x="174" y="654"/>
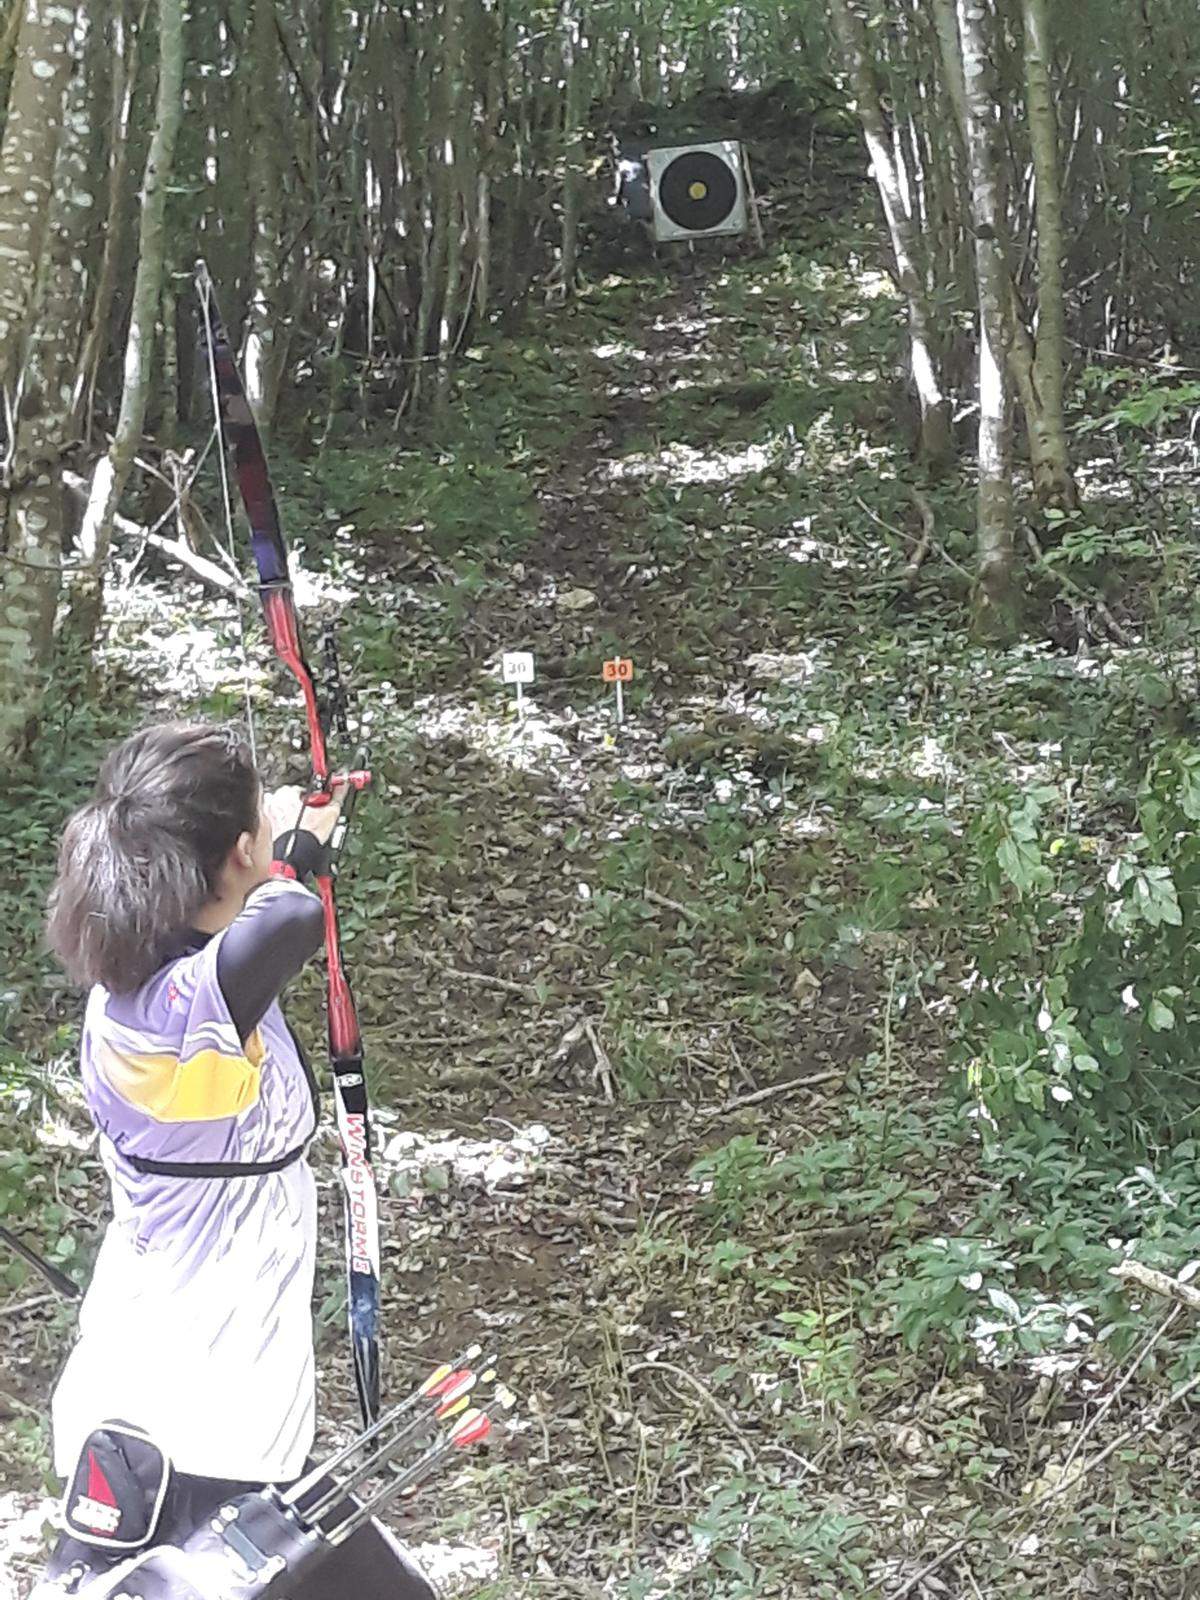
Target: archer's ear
<point x="242" y="853"/>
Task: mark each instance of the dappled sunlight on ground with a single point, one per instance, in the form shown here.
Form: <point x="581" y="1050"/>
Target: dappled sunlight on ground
<point x="23" y="1520"/>
<point x="682" y="463"/>
<point x="438" y="1159"/>
<point x="527" y="744"/>
<point x="456" y="1569"/>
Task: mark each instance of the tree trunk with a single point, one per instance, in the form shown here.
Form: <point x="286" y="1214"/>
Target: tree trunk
<point x="936" y="445"/>
<point x="31" y="507"/>
<point x="483" y="248"/>
<point x="995" y="600"/>
<point x="262" y="361"/>
<point x="448" y="325"/>
<point x="649" y="43"/>
<point x="9" y="34"/>
<point x="1053" y="482"/>
<point x="112" y="472"/>
<point x="1047" y="445"/>
<point x="127" y="39"/>
<point x="168" y="378"/>
<point x="490" y="96"/>
<point x="572" y="60"/>
<point x="27" y="155"/>
<point x="945" y="21"/>
<point x="437" y="212"/>
<point x="460" y="191"/>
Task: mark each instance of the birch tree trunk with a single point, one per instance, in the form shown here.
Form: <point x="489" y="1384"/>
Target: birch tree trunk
<point x="27" y="155"/>
<point x="936" y="445"/>
<point x="31" y="505"/>
<point x="1053" y="482"/>
<point x="112" y="471"/>
<point x="995" y="599"/>
<point x="1048" y="453"/>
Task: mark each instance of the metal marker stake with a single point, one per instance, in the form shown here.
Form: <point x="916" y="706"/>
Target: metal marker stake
<point x="619" y="671"/>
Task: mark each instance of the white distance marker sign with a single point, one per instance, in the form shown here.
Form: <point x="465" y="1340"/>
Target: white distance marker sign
<point x="516" y="667"/>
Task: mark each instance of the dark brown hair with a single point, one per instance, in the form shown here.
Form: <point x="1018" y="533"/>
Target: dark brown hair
<point x="144" y="855"/>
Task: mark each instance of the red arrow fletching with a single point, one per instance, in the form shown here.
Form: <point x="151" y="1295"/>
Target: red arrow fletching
<point x="476" y="1425"/>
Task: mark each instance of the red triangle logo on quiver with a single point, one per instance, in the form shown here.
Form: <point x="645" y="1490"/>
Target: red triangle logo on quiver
<point x="98" y="1486"/>
<point x="117" y="1490"/>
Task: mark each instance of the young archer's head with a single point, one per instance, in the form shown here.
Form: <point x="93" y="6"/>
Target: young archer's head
<point x="177" y="808"/>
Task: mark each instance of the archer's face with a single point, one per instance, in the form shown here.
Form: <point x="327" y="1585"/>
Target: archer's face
<point x="263" y="845"/>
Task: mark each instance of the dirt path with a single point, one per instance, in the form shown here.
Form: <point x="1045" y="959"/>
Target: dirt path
<point x="568" y="951"/>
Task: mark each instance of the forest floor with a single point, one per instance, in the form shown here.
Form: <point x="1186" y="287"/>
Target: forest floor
<point x="660" y="1015"/>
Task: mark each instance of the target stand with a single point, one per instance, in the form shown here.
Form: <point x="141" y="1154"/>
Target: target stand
<point x="701" y="191"/>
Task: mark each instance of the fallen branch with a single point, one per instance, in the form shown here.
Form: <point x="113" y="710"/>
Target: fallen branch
<point x="604" y="1071"/>
<point x="1119" y="1388"/>
<point x="177" y="549"/>
<point x="668" y="904"/>
<point x="759" y="1095"/>
<point x="932" y="544"/>
<point x="1069" y="586"/>
<point x="199" y="566"/>
<point x="1073" y="1476"/>
<point x="709" y="1399"/>
<point x="19" y="1306"/>
<point x="912" y="567"/>
<point x="485" y="979"/>
<point x="1158" y="1283"/>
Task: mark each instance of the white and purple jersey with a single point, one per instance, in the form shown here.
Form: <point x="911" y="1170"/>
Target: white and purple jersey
<point x="197" y="1325"/>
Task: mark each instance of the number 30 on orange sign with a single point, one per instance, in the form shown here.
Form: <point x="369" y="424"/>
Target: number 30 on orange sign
<point x="619" y="670"/>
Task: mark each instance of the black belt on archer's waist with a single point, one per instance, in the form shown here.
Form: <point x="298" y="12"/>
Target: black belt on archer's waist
<point x="214" y="1169"/>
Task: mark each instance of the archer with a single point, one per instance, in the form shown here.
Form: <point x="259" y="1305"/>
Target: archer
<point x="180" y="902"/>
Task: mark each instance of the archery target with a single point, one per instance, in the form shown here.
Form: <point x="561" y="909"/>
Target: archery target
<point x="697" y="190"/>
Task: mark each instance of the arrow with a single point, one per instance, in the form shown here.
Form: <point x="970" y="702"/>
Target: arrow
<point x="450" y="1397"/>
<point x="473" y="1427"/>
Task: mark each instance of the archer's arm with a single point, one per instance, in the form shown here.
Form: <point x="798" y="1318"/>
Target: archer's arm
<point x="265" y="946"/>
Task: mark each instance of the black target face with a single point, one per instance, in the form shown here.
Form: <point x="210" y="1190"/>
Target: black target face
<point x="697" y="191"/>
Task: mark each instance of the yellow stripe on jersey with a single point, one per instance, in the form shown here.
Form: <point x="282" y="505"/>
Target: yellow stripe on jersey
<point x="204" y="1088"/>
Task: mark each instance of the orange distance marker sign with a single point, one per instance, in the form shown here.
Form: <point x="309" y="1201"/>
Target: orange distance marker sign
<point x="619" y="671"/>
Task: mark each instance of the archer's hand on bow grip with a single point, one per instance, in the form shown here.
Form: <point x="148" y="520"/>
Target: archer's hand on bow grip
<point x="352" y="783"/>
